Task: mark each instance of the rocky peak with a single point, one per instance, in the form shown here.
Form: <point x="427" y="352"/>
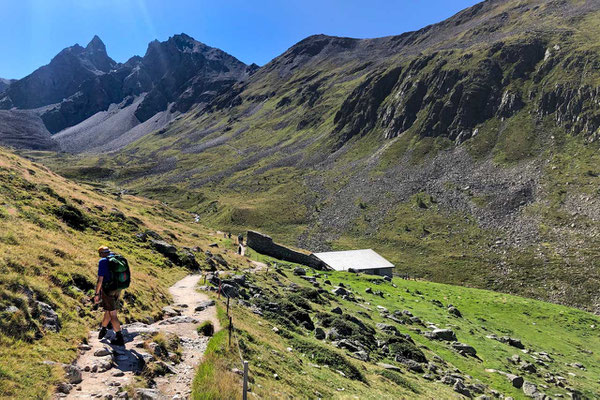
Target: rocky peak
<point x="96" y="45"/>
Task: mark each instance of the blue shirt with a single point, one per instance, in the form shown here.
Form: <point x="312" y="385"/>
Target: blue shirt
<point x="103" y="269"/>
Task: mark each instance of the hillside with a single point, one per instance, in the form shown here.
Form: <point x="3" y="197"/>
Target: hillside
<point x="315" y="334"/>
<point x="50" y="229"/>
<point x="304" y="335"/>
<point x="464" y="152"/>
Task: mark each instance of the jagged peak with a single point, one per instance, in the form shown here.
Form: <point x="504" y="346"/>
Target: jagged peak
<point x="96" y="44"/>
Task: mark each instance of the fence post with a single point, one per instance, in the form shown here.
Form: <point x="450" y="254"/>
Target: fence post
<point x="230" y="330"/>
<point x="245" y="393"/>
<point x="227" y="305"/>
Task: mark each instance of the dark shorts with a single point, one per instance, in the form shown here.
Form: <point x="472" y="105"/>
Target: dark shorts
<point x="110" y="300"/>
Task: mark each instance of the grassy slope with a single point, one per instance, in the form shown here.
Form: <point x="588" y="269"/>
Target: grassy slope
<point x="57" y="263"/>
<point x="567" y="334"/>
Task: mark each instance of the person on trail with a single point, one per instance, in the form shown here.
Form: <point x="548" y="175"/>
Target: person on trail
<point x="109" y="299"/>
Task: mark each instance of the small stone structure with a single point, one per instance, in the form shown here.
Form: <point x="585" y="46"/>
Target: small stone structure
<point x="264" y="244"/>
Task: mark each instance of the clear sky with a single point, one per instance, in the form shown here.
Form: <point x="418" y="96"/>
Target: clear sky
<point x="33" y="31"/>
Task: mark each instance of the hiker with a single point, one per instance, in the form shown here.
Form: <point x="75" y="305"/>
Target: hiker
<point x="108" y="298"/>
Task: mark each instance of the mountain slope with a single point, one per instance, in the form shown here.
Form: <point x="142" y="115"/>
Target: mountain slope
<point x="5" y="83"/>
<point x="465" y="151"/>
<point x="50" y="229"/>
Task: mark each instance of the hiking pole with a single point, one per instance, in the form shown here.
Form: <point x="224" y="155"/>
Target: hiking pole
<point x="245" y="392"/>
<point x="227" y="305"/>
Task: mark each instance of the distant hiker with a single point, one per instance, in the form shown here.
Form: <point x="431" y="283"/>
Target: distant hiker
<point x="113" y="276"/>
<point x="229" y="235"/>
<point x="240" y="239"/>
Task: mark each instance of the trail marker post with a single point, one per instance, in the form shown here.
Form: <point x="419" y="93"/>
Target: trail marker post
<point x="230" y="330"/>
<point x="245" y="392"/>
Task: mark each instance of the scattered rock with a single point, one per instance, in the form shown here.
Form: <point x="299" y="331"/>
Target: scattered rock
<point x="182" y="319"/>
<point x="515" y="380"/>
<point x="319" y="334"/>
<point x="459" y="387"/>
<point x="64" y="387"/>
<point x="340" y="291"/>
<point x="146" y="394"/>
<point x="170" y="311"/>
<point x="103" y="352"/>
<point x="454" y="311"/>
<point x="337" y="310"/>
<point x="48" y="317"/>
<point x="204" y="305"/>
<point x="411" y="364"/>
<point x="73" y="373"/>
<point x="299" y="271"/>
<point x="529" y="389"/>
<point x="441" y="334"/>
<point x="464" y="349"/>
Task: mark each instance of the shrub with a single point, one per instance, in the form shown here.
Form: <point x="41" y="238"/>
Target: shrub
<point x="322" y="355"/>
<point x="398" y="380"/>
<point x="72" y="216"/>
<point x="206" y="329"/>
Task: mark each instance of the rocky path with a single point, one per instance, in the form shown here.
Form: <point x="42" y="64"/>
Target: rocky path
<point x="106" y="370"/>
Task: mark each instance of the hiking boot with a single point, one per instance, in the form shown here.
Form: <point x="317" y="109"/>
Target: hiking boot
<point x="118" y="340"/>
<point x="109" y="326"/>
<point x="102" y="332"/>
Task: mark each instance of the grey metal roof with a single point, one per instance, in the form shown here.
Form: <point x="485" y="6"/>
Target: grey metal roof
<point x="356" y="259"/>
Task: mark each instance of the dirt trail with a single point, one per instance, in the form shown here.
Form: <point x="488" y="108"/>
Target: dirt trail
<point x="106" y="368"/>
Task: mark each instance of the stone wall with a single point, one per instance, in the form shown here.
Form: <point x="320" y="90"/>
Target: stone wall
<point x="264" y="244"/>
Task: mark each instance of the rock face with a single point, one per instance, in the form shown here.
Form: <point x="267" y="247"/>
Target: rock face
<point x="47" y="316"/>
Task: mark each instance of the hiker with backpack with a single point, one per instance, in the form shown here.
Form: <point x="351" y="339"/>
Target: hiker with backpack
<point x="113" y="276"/>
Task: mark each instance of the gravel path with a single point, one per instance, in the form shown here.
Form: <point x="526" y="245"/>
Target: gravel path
<point x="107" y="368"/>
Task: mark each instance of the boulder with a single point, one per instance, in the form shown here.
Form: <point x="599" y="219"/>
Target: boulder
<point x="64" y="387"/>
<point x="528" y="367"/>
<point x="229" y="290"/>
<point x="319" y="334"/>
<point x="454" y="311"/>
<point x="103" y="352"/>
<point x="361" y="355"/>
<point x="299" y="271"/>
<point x="515" y="380"/>
<point x="464" y="349"/>
<point x="72" y="373"/>
<point x="340" y="291"/>
<point x="337" y="310"/>
<point x="369" y="290"/>
<point x="204" y="305"/>
<point x="164" y="248"/>
<point x="387" y="328"/>
<point x="459" y="387"/>
<point x="441" y="334"/>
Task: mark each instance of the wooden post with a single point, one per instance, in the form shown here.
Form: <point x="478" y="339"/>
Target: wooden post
<point x="230" y="330"/>
<point x="245" y="393"/>
<point x="227" y="305"/>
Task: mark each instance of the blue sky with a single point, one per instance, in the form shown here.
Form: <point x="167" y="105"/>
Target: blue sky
<point x="33" y="31"/>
